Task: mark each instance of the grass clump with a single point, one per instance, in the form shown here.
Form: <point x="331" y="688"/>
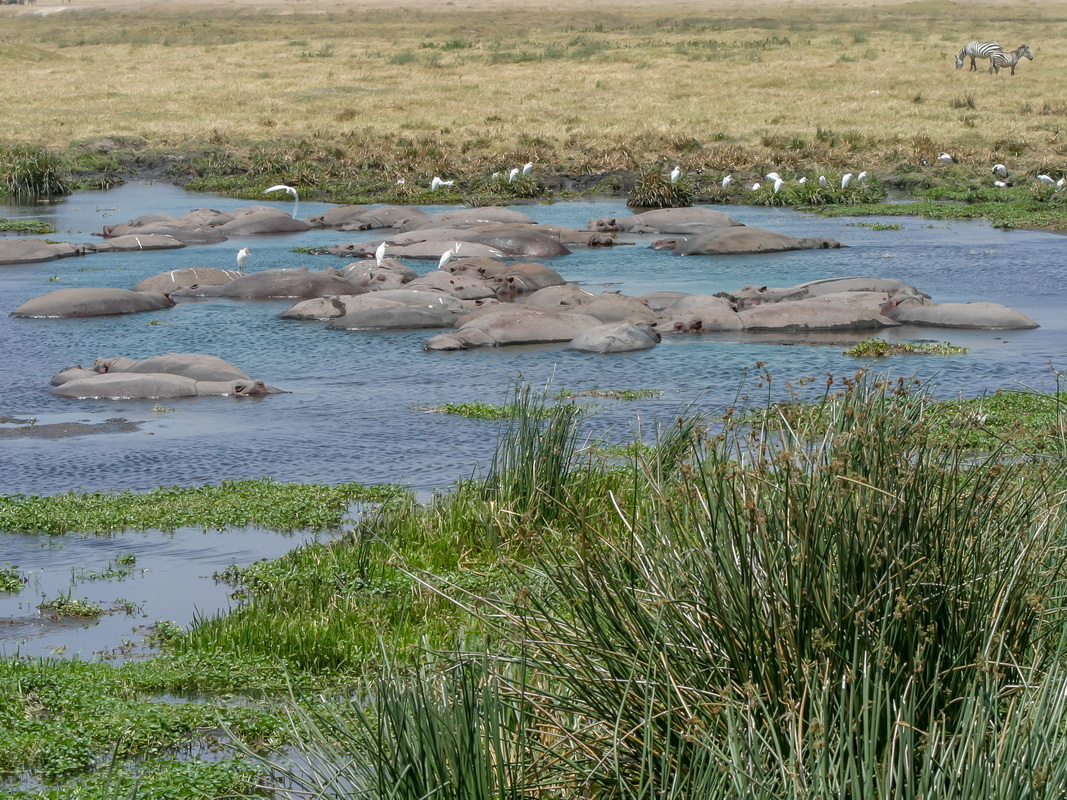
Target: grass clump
<point x="231" y="504"/>
<point x="879" y="348"/>
<point x="11" y="580"/>
<point x="28" y="172"/>
<point x="480" y="410"/>
<point x="654" y="189"/>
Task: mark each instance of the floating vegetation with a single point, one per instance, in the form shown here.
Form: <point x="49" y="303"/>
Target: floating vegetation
<point x="279" y="506"/>
<point x="480" y="410"/>
<point x="67" y="606"/>
<point x="878" y="348"/>
<point x="11" y="580"/>
<point x="877" y="226"/>
<point x="611" y="394"/>
<point x="31" y="226"/>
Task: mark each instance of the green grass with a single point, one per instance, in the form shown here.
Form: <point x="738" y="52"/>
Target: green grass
<point x="28" y="226"/>
<point x="11" y="579"/>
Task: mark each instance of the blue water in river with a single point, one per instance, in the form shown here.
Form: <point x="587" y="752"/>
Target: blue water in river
<point x="355" y="407"/>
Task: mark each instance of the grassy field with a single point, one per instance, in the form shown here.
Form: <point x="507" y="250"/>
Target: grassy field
<point x="413" y="89"/>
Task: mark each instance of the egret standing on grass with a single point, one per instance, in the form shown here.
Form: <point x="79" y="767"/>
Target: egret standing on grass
<point x="846" y="179"/>
<point x="1045" y="179"/>
<point x="437" y="183"/>
<point x="726" y="181"/>
<point x="823" y="182"/>
<point x="514" y="174"/>
<point x="281" y="187"/>
<point x="1000" y="171"/>
<point x="527" y="168"/>
<point x="945" y="158"/>
<point x="242" y="257"/>
<point x="676" y="173"/>
<point x="778" y="185"/>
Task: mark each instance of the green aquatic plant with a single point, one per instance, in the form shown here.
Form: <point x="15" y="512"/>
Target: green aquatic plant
<point x="29" y="226"/>
<point x="66" y="605"/>
<point x="263" y="502"/>
<point x="611" y="394"/>
<point x="480" y="410"/>
<point x="11" y="579"/>
<point x="877" y="348"/>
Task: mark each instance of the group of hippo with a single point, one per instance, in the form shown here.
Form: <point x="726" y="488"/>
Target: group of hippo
<point x="487" y="292"/>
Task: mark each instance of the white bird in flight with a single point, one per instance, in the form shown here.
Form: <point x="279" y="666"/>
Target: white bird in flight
<point x="242" y="257"/>
<point x="676" y="173"/>
<point x="281" y="187"/>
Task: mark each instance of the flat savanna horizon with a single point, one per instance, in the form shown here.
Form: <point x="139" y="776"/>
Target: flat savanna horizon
<point x="599" y="85"/>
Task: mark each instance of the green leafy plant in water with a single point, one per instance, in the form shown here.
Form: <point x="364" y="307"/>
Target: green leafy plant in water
<point x="67" y="606"/>
<point x="612" y="394"/>
<point x="877" y="348"/>
<point x="479" y="410"/>
<point x="11" y="580"/>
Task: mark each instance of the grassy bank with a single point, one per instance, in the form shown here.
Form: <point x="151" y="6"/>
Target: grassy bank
<point x="845" y="598"/>
<point x="344" y="103"/>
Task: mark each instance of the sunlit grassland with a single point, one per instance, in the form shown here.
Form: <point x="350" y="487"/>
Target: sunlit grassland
<point x="581" y="88"/>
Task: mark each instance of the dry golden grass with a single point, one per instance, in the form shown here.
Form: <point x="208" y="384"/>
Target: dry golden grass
<point x="590" y="84"/>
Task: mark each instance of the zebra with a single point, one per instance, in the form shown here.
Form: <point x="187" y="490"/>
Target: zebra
<point x="1009" y="59"/>
<point x="976" y="50"/>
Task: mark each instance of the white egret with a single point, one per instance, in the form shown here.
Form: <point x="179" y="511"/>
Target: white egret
<point x="862" y="175"/>
<point x="945" y="158"/>
<point x="1000" y="184"/>
<point x="773" y="176"/>
<point x="1045" y="179"/>
<point x="242" y="257"/>
<point x="513" y="174"/>
<point x="448" y="255"/>
<point x="281" y="187"/>
<point x="676" y="173"/>
<point x="846" y="179"/>
<point x="379" y="254"/>
<point x="527" y="168"/>
<point x="823" y="182"/>
<point x="1061" y="182"/>
<point x="437" y="183"/>
<point x="726" y="181"/>
<point x="803" y="180"/>
<point x="755" y="187"/>
<point x="1000" y="170"/>
<point x="778" y="185"/>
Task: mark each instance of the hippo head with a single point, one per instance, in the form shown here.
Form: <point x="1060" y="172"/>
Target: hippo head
<point x="251" y="388"/>
<point x="603" y="224"/>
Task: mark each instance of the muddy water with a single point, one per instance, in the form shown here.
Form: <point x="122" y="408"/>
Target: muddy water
<point x="355" y="407"/>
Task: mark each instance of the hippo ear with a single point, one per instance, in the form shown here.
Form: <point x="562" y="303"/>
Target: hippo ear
<point x="763" y="288"/>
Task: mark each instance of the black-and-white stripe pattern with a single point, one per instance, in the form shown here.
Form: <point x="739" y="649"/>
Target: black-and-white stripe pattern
<point x="976" y="50"/>
<point x="1009" y="59"/>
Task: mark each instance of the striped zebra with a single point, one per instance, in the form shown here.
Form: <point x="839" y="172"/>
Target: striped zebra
<point x="976" y="50"/>
<point x="1009" y="59"/>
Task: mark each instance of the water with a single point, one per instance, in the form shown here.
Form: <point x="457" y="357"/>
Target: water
<point x="355" y="410"/>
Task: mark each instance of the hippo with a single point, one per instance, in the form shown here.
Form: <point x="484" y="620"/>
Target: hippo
<point x="279" y="283"/>
<point x="524" y="278"/>
<point x="749" y="296"/>
<point x="185" y="232"/>
<point x="335" y="306"/>
<point x="615" y="337"/>
<point x="469" y="217"/>
<point x="559" y="298"/>
<point x="980" y="316"/>
<point x="398" y="317"/>
<point x="740" y="240"/>
<point x="663" y="220"/>
<point x="197" y="366"/>
<point x="152" y="385"/>
<point x="30" y="251"/>
<point x="697" y="313"/>
<point x="615" y="307"/>
<point x="830" y="312"/>
<point x="131" y="242"/>
<point x="513" y="325"/>
<point x="337" y="216"/>
<point x="262" y="219"/>
<point x="186" y="278"/>
<point x="462" y="286"/>
<point x="389" y="274"/>
<point x="90" y="302"/>
<point x="525" y="243"/>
